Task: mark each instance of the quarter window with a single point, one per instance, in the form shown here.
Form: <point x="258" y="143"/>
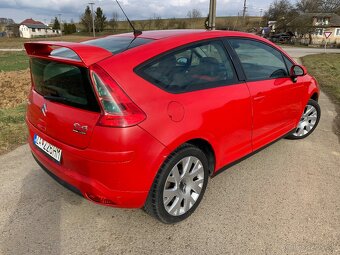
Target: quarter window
<point x="200" y="66"/>
<point x="259" y="61"/>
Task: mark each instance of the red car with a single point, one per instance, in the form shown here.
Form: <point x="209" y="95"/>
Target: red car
<point x="142" y="122"/>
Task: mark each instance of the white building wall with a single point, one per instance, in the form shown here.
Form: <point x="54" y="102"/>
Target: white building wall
<point x="26" y="32"/>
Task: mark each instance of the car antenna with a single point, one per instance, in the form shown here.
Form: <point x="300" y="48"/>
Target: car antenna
<point x="135" y="31"/>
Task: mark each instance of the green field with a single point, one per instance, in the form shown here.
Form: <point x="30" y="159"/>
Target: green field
<point x="13" y="61"/>
<point x="18" y="43"/>
<point x="326" y="69"/>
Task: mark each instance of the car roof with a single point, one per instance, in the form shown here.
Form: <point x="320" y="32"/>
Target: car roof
<point x="162" y="34"/>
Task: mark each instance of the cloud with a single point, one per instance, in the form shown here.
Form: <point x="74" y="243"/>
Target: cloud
<point x="136" y="9"/>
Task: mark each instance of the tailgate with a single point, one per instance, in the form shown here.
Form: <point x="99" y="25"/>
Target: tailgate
<point x="62" y="103"/>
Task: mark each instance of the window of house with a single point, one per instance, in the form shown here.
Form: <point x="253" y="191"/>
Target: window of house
<point x="259" y="61"/>
<point x="319" y="31"/>
<point x="200" y="66"/>
<point x="337" y="32"/>
<point x="322" y="21"/>
<point x="38" y="29"/>
<point x="33" y="29"/>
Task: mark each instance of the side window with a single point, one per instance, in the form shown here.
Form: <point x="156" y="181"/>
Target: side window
<point x="259" y="61"/>
<point x="289" y="63"/>
<point x="200" y="66"/>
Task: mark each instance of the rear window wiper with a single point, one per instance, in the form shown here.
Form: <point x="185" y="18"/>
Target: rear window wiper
<point x="56" y="98"/>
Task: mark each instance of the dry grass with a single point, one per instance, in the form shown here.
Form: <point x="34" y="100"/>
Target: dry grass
<point x="14" y="87"/>
<point x="13" y="131"/>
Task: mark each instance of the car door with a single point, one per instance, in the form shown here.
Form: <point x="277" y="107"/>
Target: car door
<point x="202" y="83"/>
<point x="276" y="99"/>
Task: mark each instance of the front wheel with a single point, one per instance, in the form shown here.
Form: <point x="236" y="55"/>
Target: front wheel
<point x="308" y="122"/>
<point x="179" y="185"/>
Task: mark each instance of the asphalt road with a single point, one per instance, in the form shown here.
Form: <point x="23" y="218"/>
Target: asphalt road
<point x="283" y="200"/>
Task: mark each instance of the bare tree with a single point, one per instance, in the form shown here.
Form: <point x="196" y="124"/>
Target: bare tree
<point x="281" y="11"/>
<point x="194" y="15"/>
<point x="113" y="22"/>
<point x="158" y="22"/>
<point x="308" y="5"/>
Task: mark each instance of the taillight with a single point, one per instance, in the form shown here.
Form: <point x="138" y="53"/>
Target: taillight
<point x="118" y="108"/>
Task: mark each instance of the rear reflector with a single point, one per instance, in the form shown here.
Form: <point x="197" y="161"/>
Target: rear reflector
<point x="99" y="199"/>
<point x="118" y="108"/>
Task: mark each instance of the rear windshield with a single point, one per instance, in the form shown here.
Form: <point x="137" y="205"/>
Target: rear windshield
<point x="63" y="83"/>
<point x="112" y="44"/>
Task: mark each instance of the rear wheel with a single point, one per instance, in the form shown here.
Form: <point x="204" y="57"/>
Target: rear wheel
<point x="308" y="122"/>
<point x="179" y="185"/>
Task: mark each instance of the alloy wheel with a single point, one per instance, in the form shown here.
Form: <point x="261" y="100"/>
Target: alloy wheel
<point x="307" y="121"/>
<point x="183" y="186"/>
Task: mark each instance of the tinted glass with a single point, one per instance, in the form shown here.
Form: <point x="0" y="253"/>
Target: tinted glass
<point x="259" y="61"/>
<point x="118" y="44"/>
<point x="195" y="67"/>
<point x="112" y="44"/>
<point x="63" y="83"/>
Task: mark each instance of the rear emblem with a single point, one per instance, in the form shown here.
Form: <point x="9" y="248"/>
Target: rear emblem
<point x="44" y="109"/>
<point x="80" y="129"/>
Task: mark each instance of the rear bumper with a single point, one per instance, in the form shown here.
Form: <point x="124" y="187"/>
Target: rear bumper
<point x="117" y="179"/>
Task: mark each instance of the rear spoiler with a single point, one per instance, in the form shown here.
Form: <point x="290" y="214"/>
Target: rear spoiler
<point x="88" y="54"/>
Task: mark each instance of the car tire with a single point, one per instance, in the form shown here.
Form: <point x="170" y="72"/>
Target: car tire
<point x="179" y="185"/>
<point x="308" y="121"/>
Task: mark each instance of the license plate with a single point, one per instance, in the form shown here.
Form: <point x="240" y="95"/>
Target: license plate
<point x="51" y="150"/>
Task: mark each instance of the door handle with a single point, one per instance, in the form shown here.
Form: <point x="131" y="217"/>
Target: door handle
<point x="259" y="97"/>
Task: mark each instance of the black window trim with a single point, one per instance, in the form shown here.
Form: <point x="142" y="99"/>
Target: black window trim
<point x="139" y="69"/>
<point x="239" y="64"/>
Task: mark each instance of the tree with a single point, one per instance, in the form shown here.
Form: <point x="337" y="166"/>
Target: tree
<point x="308" y="5"/>
<point x="330" y="6"/>
<point x="100" y="19"/>
<point x="86" y="19"/>
<point x="281" y="11"/>
<point x="113" y="22"/>
<point x="194" y="15"/>
<point x="158" y="21"/>
<point x="56" y="24"/>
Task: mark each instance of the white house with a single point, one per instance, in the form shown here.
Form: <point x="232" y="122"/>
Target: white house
<point x="30" y="28"/>
<point x="312" y="27"/>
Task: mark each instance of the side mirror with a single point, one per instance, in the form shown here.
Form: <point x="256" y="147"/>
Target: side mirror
<point x="182" y="61"/>
<point x="296" y="71"/>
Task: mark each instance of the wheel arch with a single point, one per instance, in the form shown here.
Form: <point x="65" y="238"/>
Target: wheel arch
<point x="315" y="96"/>
<point x="207" y="149"/>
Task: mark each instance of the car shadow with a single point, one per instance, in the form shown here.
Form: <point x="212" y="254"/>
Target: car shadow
<point x="34" y="225"/>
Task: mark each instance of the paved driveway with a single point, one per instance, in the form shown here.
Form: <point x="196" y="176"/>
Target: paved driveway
<point x="300" y="52"/>
<point x="283" y="200"/>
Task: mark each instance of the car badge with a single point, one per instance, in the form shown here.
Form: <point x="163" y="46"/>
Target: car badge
<point x="77" y="128"/>
<point x="44" y="109"/>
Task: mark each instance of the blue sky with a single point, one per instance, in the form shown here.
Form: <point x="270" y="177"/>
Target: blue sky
<point x="45" y="10"/>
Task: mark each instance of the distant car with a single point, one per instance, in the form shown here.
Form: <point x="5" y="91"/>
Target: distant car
<point x="142" y="122"/>
<point x="281" y="38"/>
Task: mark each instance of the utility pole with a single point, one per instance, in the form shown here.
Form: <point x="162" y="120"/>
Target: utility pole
<point x="94" y="31"/>
<point x="244" y="9"/>
<point x="61" y="31"/>
<point x="212" y="15"/>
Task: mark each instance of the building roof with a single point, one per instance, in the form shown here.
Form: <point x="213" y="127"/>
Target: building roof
<point x="31" y="23"/>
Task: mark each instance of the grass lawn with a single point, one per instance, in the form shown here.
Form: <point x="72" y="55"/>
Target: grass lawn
<point x="13" y="61"/>
<point x="18" y="43"/>
<point x="326" y="69"/>
<point x="13" y="131"/>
